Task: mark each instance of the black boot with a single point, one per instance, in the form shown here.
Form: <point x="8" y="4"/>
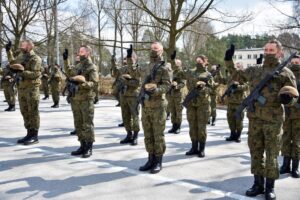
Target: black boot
<point x="168" y="116"/>
<point x="121" y="125"/>
<point x="33" y="139"/>
<point x="172" y="130"/>
<point x="295" y="167"/>
<point x="87" y="149"/>
<point x="127" y="139"/>
<point x="46" y="97"/>
<point x="231" y="137"/>
<point x="286" y="165"/>
<point x="8" y="109"/>
<point x="238" y="136"/>
<point x="55" y="105"/>
<point x="202" y="150"/>
<point x="135" y="138"/>
<point x="157" y="165"/>
<point x="193" y="150"/>
<point x="149" y="163"/>
<point x="79" y="151"/>
<point x="257" y="188"/>
<point x="118" y="105"/>
<point x="270" y="194"/>
<point x="177" y="130"/>
<point x="73" y="132"/>
<point x="21" y="141"/>
<point x="208" y="122"/>
<point x="96" y="101"/>
<point x="213" y="121"/>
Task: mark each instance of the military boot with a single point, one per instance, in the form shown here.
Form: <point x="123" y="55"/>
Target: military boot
<point x="149" y="163"/>
<point x="201" y="150"/>
<point x="270" y="194"/>
<point x="127" y="139"/>
<point x="208" y="122"/>
<point x="73" y="132"/>
<point x="10" y="108"/>
<point x="33" y="139"/>
<point x="55" y="105"/>
<point x="121" y="125"/>
<point x="157" y="165"/>
<point x="45" y="97"/>
<point x="295" y="167"/>
<point x="172" y="130"/>
<point x="21" y="141"/>
<point x="193" y="150"/>
<point x="238" y="136"/>
<point x="213" y="121"/>
<point x="135" y="138"/>
<point x="87" y="150"/>
<point x="257" y="188"/>
<point x="79" y="151"/>
<point x="177" y="130"/>
<point x="231" y="137"/>
<point x="168" y="116"/>
<point x="286" y="165"/>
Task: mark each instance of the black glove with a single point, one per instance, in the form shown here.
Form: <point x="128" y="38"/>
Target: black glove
<point x="229" y="53"/>
<point x="65" y="54"/>
<point x="260" y="59"/>
<point x="173" y="55"/>
<point x="8" y="46"/>
<point x="285" y="99"/>
<point x="129" y="51"/>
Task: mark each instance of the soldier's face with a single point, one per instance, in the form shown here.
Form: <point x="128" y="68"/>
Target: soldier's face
<point x="157" y="48"/>
<point x="25" y="47"/>
<point x="295" y="61"/>
<point x="83" y="52"/>
<point x="200" y="61"/>
<point x="272" y="49"/>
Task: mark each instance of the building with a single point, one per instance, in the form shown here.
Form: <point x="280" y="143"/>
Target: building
<point x="247" y="57"/>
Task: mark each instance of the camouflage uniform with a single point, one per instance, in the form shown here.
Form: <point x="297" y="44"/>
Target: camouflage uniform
<point x="83" y="101"/>
<point x="265" y="123"/>
<point x="198" y="110"/>
<point x="45" y="79"/>
<point x="96" y="89"/>
<point x="29" y="91"/>
<point x="213" y="99"/>
<point x="117" y="84"/>
<point x="9" y="90"/>
<point x="55" y="83"/>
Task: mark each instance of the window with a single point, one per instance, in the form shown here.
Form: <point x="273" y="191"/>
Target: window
<point x="249" y="56"/>
<point x="255" y="56"/>
<point x="240" y="56"/>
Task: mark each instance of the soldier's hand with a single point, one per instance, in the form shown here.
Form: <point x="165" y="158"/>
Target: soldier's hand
<point x="235" y="83"/>
<point x="8" y="46"/>
<point x="66" y="54"/>
<point x="126" y="76"/>
<point x="174" y="83"/>
<point x="150" y="87"/>
<point x="229" y="53"/>
<point x="129" y="51"/>
<point x="173" y="55"/>
<point x="200" y="84"/>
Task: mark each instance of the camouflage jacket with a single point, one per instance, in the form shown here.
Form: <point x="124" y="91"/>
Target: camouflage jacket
<point x="7" y="77"/>
<point x="177" y="76"/>
<point x="293" y="112"/>
<point x="130" y="87"/>
<point x="272" y="110"/>
<point x="31" y="76"/>
<point x="55" y="78"/>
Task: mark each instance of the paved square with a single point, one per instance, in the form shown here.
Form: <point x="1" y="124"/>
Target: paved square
<point x="47" y="171"/>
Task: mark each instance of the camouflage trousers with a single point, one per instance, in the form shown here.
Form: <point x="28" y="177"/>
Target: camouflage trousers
<point x="29" y="105"/>
<point x="55" y="93"/>
<point x="9" y="94"/>
<point x="234" y="124"/>
<point x="45" y="87"/>
<point x="175" y="108"/>
<point x="264" y="139"/>
<point x="130" y="115"/>
<point x="83" y="111"/>
<point x="154" y="122"/>
<point x="213" y="105"/>
<point x="291" y="139"/>
<point x="197" y="118"/>
<point x="96" y="90"/>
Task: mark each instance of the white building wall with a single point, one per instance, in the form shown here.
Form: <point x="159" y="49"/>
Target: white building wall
<point x="247" y="57"/>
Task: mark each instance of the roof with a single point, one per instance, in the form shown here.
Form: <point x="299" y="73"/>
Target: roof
<point x="251" y="49"/>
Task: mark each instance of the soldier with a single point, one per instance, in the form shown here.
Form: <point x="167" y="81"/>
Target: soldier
<point x="85" y="75"/>
<point x="198" y="109"/>
<point x="237" y="91"/>
<point x="8" y="85"/>
<point x="55" y="83"/>
<point x="131" y="81"/>
<point x="175" y="95"/>
<point x="290" y="149"/>
<point x="45" y="79"/>
<point x="265" y="123"/>
<point x="154" y="107"/>
<point x="28" y="65"/>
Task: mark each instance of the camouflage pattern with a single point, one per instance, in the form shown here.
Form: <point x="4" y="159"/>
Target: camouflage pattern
<point x="291" y="135"/>
<point x="198" y="110"/>
<point x="28" y="87"/>
<point x="45" y="80"/>
<point x="116" y="73"/>
<point x="265" y="123"/>
<point x="129" y="98"/>
<point x="154" y="111"/>
<point x="83" y="101"/>
<point x="55" y="84"/>
<point x="96" y="88"/>
<point x="8" y="86"/>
